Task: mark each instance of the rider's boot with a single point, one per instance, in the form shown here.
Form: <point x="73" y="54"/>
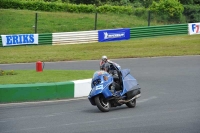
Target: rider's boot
<point x="112" y="90"/>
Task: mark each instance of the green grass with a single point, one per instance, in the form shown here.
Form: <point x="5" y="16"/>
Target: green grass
<point x="31" y="76"/>
<point x="22" y="21"/>
<point x="145" y="47"/>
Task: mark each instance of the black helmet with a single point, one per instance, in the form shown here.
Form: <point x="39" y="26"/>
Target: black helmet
<point x="106" y="67"/>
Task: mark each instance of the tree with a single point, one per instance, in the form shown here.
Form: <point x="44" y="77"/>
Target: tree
<point x="186" y="2"/>
<point x="173" y="9"/>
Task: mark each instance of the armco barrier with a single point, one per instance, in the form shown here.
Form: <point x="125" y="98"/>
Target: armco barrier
<point x="152" y="31"/>
<point x="44" y="91"/>
<point x="45" y="39"/>
<point x="82" y="37"/>
<point x="75" y="37"/>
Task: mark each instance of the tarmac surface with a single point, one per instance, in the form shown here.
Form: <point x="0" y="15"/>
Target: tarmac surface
<point x="169" y="102"/>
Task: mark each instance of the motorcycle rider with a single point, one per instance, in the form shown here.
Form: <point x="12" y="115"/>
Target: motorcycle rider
<point x="104" y="60"/>
<point x="105" y="65"/>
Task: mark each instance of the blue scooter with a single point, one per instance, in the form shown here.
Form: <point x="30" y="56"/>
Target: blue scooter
<point x="127" y="89"/>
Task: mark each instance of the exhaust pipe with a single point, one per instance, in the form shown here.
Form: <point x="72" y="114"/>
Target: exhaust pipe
<point x="126" y="101"/>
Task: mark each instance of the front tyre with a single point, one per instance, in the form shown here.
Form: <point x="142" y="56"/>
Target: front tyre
<point x="131" y="104"/>
<point x="102" y="103"/>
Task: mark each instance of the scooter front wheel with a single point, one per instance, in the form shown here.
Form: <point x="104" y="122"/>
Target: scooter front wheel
<point x="102" y="104"/>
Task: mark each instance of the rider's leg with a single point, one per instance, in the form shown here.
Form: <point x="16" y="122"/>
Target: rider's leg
<point x="114" y="87"/>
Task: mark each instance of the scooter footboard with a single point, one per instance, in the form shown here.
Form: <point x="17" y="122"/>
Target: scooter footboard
<point x="133" y="93"/>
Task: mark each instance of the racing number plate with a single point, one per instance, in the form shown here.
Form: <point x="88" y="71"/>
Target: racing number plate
<point x="99" y="87"/>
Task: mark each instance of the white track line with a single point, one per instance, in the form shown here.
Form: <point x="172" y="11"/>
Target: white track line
<point x="64" y="100"/>
<point x="40" y="102"/>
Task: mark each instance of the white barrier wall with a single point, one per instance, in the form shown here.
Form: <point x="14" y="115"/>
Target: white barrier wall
<point x="74" y="37"/>
<point x="82" y="87"/>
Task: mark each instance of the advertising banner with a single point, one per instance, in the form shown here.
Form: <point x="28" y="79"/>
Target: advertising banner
<point x="20" y="39"/>
<point x="113" y="35"/>
<point x="194" y="28"/>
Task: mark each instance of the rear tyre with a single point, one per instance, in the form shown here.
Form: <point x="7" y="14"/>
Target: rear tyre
<point x="131" y="104"/>
<point x="102" y="104"/>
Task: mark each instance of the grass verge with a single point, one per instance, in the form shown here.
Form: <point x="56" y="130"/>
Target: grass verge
<point x="31" y="76"/>
<point x="22" y="21"/>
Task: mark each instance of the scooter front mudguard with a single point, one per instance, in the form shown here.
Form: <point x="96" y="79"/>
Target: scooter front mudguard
<point x="99" y="90"/>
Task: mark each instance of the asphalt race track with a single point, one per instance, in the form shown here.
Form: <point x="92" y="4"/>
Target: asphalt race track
<point x="170" y="102"/>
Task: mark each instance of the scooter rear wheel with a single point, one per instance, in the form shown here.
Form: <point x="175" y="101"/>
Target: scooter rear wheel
<point x="102" y="104"/>
<point x="131" y="104"/>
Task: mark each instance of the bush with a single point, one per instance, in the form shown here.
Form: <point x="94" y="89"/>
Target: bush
<point x="140" y="11"/>
<point x="170" y="9"/>
<point x="192" y="12"/>
<point x="59" y="6"/>
<point x="85" y="8"/>
<point x="115" y="9"/>
<point x="2" y="72"/>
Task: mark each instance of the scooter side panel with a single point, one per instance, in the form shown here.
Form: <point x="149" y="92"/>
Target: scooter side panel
<point x="129" y="83"/>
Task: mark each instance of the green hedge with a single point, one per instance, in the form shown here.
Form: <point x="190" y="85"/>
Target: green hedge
<point x="66" y="7"/>
<point x="115" y="9"/>
<point x="33" y="5"/>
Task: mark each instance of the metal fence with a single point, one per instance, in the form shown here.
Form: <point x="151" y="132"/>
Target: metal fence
<point x="42" y="22"/>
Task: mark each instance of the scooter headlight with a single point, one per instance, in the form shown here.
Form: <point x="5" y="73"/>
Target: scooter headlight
<point x="96" y="82"/>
